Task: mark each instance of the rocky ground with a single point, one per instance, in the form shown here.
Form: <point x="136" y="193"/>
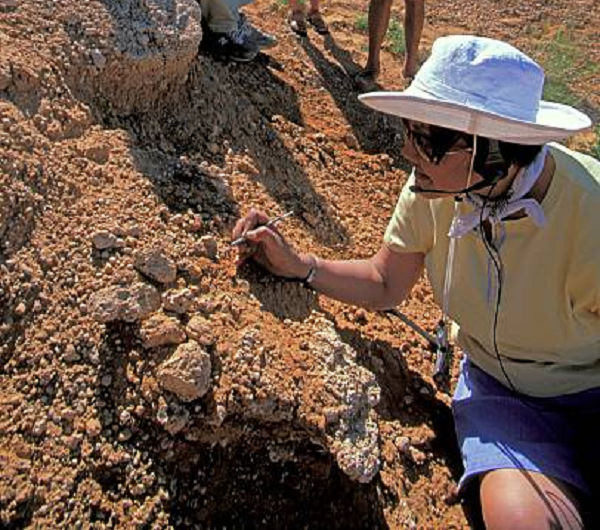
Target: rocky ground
<point x="145" y="379"/>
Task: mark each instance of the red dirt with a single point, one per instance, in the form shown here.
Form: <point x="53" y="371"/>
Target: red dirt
<point x="169" y="154"/>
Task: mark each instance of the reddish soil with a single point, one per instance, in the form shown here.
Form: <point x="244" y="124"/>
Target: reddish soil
<point x="89" y="435"/>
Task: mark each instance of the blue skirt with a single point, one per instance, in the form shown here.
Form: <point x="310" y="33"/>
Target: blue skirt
<point x="499" y="429"/>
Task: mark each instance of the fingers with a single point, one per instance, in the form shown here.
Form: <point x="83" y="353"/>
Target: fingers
<point x="245" y="252"/>
<point x="264" y="234"/>
<point x="259" y="241"/>
<point x="263" y="238"/>
<point x="251" y="220"/>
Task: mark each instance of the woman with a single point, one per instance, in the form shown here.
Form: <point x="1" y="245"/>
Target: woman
<point x="505" y="224"/>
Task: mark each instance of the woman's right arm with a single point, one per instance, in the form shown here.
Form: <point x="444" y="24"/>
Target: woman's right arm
<point x="380" y="282"/>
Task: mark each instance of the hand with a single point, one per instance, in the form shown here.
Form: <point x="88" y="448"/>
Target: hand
<point x="268" y="247"/>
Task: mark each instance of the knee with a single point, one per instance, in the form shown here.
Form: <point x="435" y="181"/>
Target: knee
<point x="503" y="508"/>
<point x="516" y="500"/>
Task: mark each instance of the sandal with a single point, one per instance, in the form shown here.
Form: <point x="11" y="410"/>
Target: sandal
<point x="317" y="22"/>
<point x="297" y="23"/>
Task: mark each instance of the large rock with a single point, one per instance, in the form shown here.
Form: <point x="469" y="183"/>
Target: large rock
<point x="353" y="435"/>
<point x="321" y="389"/>
<point x="139" y="51"/>
<point x="187" y="372"/>
<point x="124" y="303"/>
<point x="104" y="240"/>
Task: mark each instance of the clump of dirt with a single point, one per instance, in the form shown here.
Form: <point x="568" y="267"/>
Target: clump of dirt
<point x="145" y="378"/>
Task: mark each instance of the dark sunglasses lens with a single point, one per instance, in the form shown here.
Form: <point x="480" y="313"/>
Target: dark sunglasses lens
<point x="423" y="146"/>
<point x="433" y="146"/>
<point x="441" y="142"/>
<point x="419" y="142"/>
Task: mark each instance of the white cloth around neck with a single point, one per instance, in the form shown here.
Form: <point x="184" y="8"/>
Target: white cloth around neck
<point x="495" y="212"/>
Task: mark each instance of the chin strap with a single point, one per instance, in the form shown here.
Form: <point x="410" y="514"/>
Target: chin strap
<point x="443" y="327"/>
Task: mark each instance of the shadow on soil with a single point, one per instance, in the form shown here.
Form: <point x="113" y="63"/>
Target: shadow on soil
<point x="223" y="110"/>
<point x="242" y="487"/>
<point x="245" y="480"/>
<point x="284" y="299"/>
<point x="375" y="132"/>
<point x="397" y="382"/>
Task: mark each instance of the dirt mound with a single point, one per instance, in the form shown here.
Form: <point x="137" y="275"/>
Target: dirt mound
<point x="145" y="379"/>
<point x="127" y="56"/>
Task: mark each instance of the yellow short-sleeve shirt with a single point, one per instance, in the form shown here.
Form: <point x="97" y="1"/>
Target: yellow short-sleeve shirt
<point x="548" y="331"/>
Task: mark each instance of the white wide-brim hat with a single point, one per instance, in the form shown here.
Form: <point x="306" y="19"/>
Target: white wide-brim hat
<point x="485" y="87"/>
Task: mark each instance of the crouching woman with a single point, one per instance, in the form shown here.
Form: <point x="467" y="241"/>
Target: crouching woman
<point x="505" y="221"/>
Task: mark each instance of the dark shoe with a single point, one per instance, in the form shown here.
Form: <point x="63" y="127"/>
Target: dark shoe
<point x="317" y="22"/>
<point x="263" y="40"/>
<point x="232" y="46"/>
<point x="366" y="81"/>
<point x="297" y="23"/>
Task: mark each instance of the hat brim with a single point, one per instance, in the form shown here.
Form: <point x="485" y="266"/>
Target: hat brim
<point x="553" y="121"/>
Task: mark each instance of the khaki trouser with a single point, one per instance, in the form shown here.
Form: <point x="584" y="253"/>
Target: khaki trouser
<point x="221" y="15"/>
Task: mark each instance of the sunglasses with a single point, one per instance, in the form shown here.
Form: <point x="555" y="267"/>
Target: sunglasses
<point x="436" y="144"/>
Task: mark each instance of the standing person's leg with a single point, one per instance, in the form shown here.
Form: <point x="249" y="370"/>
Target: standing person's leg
<point x="316" y="19"/>
<point x="297" y="17"/>
<point x="314" y="6"/>
<point x="414" y="18"/>
<point x="224" y="37"/>
<point x="379" y="19"/>
<point x="219" y="15"/>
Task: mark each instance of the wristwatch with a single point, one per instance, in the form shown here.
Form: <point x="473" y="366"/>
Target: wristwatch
<point x="312" y="272"/>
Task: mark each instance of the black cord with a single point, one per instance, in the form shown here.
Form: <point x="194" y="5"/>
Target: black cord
<point x="494" y="255"/>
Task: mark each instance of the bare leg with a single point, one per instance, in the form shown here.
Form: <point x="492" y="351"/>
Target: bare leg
<point x="513" y="499"/>
<point x="315" y="18"/>
<point x="379" y="19"/>
<point x="296" y="6"/>
<point x="414" y="18"/>
<point x="297" y="18"/>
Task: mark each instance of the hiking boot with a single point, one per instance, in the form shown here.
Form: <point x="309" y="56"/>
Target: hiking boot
<point x="234" y="45"/>
<point x="263" y="40"/>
